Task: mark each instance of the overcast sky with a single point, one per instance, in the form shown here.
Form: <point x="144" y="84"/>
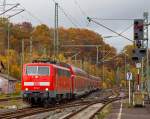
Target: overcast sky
<point x="77" y="10"/>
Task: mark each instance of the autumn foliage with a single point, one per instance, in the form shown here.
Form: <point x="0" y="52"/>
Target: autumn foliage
<point x="42" y="46"/>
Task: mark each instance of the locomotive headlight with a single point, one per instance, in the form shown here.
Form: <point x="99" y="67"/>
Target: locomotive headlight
<point x="46" y="89"/>
<point x="26" y="89"/>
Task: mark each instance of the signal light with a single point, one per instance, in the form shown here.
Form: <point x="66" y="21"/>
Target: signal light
<point x="138" y="43"/>
<point x="138" y="54"/>
<point x="142" y="51"/>
<point x="138" y="29"/>
<point x="135" y="35"/>
<point x="135" y="58"/>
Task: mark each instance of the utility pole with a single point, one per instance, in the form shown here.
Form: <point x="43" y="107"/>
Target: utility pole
<point x="146" y="22"/>
<point x="22" y="51"/>
<point x="22" y="56"/>
<point x="56" y="42"/>
<point x="103" y="64"/>
<point x="142" y="73"/>
<point x="31" y="49"/>
<point x="97" y="56"/>
<point x="8" y="47"/>
<point x="4" y="6"/>
<point x="125" y="64"/>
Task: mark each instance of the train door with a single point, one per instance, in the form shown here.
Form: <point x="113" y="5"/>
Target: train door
<point x="72" y="84"/>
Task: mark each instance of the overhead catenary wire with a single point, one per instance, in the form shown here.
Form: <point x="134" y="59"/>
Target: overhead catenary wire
<point x="81" y="10"/>
<point x="31" y="14"/>
<point x="27" y="11"/>
<point x="10" y="9"/>
<point x="7" y="4"/>
<point x="90" y="19"/>
<point x="115" y="19"/>
<point x="126" y="29"/>
<point x="68" y="16"/>
<point x="15" y="14"/>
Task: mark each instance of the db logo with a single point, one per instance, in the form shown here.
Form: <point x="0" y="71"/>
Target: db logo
<point x="36" y="88"/>
<point x="36" y="84"/>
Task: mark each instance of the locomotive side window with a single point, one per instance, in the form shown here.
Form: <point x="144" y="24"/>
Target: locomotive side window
<point x="64" y="73"/>
<point x="43" y="70"/>
<point x="31" y="70"/>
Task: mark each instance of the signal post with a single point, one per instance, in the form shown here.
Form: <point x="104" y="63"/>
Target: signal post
<point x="139" y="56"/>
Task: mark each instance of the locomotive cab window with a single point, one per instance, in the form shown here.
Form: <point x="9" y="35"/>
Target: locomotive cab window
<point x="37" y="70"/>
<point x="43" y="70"/>
<point x="31" y="70"/>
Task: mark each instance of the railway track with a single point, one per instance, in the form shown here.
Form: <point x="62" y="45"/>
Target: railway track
<point x="90" y="110"/>
<point x="33" y="111"/>
<point x="10" y="98"/>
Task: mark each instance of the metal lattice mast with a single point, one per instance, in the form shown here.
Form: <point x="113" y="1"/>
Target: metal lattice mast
<point x="57" y="35"/>
<point x="146" y="39"/>
<point x="56" y="31"/>
<point x="30" y="49"/>
<point x="4" y="6"/>
<point x="22" y="56"/>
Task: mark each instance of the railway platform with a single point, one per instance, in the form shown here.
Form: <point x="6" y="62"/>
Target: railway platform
<point x="120" y="110"/>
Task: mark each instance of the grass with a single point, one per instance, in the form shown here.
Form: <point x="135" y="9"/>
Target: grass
<point x="2" y="96"/>
<point x="11" y="103"/>
<point x="127" y="105"/>
<point x="104" y="112"/>
<point x="2" y="107"/>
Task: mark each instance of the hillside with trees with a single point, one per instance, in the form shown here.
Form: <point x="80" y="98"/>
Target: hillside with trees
<point x="42" y="38"/>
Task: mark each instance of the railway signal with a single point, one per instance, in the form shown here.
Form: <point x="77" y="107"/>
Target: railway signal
<point x="139" y="52"/>
<point x="138" y="29"/>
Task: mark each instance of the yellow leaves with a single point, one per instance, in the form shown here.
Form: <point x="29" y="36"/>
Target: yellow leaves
<point x="61" y="58"/>
<point x="15" y="71"/>
<point x="14" y="66"/>
<point x="17" y="87"/>
<point x="128" y="50"/>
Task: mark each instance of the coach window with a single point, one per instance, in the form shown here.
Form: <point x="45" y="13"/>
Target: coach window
<point x="59" y="72"/>
<point x="31" y="70"/>
<point x="68" y="74"/>
<point x="65" y="73"/>
<point x="43" y="70"/>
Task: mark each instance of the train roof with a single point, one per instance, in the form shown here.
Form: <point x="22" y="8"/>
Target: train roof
<point x="95" y="77"/>
<point x="40" y="63"/>
<point x="78" y="70"/>
<point x="47" y="64"/>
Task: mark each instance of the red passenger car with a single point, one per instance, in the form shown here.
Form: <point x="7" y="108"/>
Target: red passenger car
<point x="83" y="82"/>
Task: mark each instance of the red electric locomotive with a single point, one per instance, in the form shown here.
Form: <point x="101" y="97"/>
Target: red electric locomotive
<point x="45" y="83"/>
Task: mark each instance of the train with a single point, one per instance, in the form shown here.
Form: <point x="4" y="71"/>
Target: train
<point x="47" y="82"/>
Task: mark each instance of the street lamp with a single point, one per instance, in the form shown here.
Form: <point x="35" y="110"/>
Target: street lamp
<point x="109" y="36"/>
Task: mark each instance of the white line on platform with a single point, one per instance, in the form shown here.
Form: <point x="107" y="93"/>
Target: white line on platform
<point x="120" y="112"/>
